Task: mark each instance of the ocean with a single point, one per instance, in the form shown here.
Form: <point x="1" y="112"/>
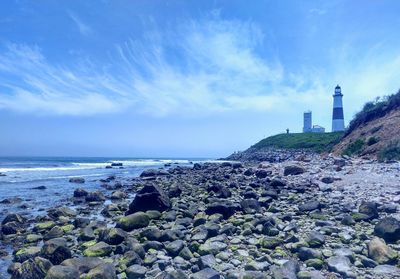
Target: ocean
<point x="19" y="176"/>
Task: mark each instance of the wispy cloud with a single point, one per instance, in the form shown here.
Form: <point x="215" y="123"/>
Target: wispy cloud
<point x="201" y="67"/>
<point x="83" y="28"/>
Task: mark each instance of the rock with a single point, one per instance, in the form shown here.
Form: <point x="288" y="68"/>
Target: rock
<point x="133" y="221"/>
<point x="315" y="263"/>
<point x="207" y="261"/>
<point x="153" y="172"/>
<point x="26" y="253"/>
<point x="56" y="250"/>
<point x="100" y="249"/>
<point x="32" y="269"/>
<point x="118" y="195"/>
<point x="270" y="242"/>
<point x="380" y="252"/>
<point x="102" y="271"/>
<point x="11" y="200"/>
<point x="173" y="248"/>
<point x="293" y="170"/>
<point x="386" y="270"/>
<point x="224" y="207"/>
<point x="79" y="193"/>
<point x="113" y="236"/>
<point x="95" y="197"/>
<point x="116" y="164"/>
<point x="62" y="272"/>
<point x="277" y="182"/>
<point x="77" y="180"/>
<point x="315" y="239"/>
<point x="54" y="232"/>
<point x="262" y="173"/>
<point x="309" y="206"/>
<point x="83" y="265"/>
<point x="389" y="229"/>
<point x="369" y="208"/>
<point x="309" y="253"/>
<point x="211" y="247"/>
<point x="287" y="271"/>
<point x="39" y="188"/>
<point x="150" y="197"/>
<point x="63" y="211"/>
<point x="174" y="191"/>
<point x="341" y="265"/>
<point x="13" y="217"/>
<point x="136" y="272"/>
<point x="207" y="273"/>
<point x="250" y="206"/>
<point x="327" y="180"/>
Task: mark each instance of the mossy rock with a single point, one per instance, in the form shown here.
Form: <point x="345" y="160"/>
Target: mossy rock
<point x="358" y="217"/>
<point x="44" y="225"/>
<point x="30" y="238"/>
<point x="88" y="244"/>
<point x="270" y="242"/>
<point x="24" y="254"/>
<point x="318" y="216"/>
<point x="100" y="249"/>
<point x="133" y="221"/>
<point x="315" y="263"/>
<point x="67" y="228"/>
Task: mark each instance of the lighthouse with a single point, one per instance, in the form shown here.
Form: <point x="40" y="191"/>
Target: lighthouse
<point x="337" y="115"/>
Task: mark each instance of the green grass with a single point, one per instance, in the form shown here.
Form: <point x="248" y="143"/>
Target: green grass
<point x="317" y="142"/>
<point x="354" y="148"/>
<point x="390" y="152"/>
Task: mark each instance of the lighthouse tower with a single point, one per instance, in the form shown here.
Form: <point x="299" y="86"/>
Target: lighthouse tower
<point x="337" y="116"/>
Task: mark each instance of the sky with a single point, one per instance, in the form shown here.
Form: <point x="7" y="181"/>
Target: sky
<point x="184" y="78"/>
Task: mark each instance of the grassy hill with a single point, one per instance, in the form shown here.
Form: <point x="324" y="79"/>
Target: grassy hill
<point x="317" y="142"/>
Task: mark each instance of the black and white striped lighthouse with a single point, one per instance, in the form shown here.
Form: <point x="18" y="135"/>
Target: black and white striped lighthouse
<point x="337" y="115"/>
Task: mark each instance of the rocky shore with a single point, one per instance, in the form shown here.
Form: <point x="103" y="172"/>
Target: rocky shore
<point x="304" y="217"/>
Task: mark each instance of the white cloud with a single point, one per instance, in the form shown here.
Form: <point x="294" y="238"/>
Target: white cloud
<point x="200" y="68"/>
<point x="83" y="28"/>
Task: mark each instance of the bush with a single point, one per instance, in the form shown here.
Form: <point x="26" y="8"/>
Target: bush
<point x="390" y="152"/>
<point x="372" y="141"/>
<point x="374" y="110"/>
<point x="354" y="148"/>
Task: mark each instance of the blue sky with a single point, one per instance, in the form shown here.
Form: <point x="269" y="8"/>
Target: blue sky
<point x="184" y="78"/>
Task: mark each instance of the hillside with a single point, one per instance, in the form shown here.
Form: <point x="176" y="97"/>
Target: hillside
<point x="374" y="131"/>
<point x="286" y="146"/>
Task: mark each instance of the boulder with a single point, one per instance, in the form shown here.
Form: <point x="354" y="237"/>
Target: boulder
<point x="79" y="180"/>
<point x="309" y="206"/>
<point x="100" y="249"/>
<point x="79" y="193"/>
<point x="13" y="217"/>
<point x="56" y="250"/>
<point x="389" y="229"/>
<point x="173" y="248"/>
<point x="150" y="197"/>
<point x="341" y="265"/>
<point x="207" y="273"/>
<point x="250" y="206"/>
<point x="62" y="272"/>
<point x="224" y="207"/>
<point x="136" y="272"/>
<point x="293" y="170"/>
<point x="133" y="221"/>
<point x="83" y="265"/>
<point x="380" y="252"/>
<point x="102" y="271"/>
<point x="287" y="271"/>
<point x="95" y="197"/>
<point x="26" y="253"/>
<point x="32" y="269"/>
<point x="369" y="208"/>
<point x="113" y="236"/>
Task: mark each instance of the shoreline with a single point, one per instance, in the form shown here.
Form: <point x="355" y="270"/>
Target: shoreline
<point x="299" y="218"/>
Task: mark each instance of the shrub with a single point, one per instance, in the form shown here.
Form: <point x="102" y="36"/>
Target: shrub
<point x="390" y="152"/>
<point x="374" y="110"/>
<point x="354" y="147"/>
<point x="372" y="141"/>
